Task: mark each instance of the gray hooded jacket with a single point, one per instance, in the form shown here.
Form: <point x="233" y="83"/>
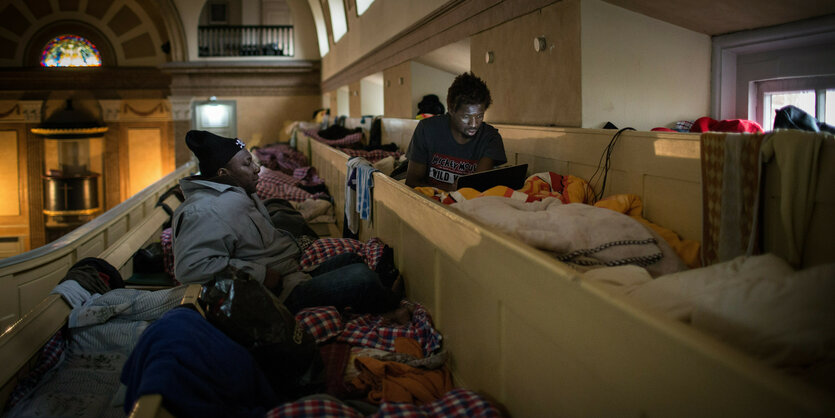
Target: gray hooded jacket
<point x="219" y="225"/>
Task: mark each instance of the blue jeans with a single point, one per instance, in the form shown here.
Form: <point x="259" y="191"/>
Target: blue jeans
<point x="341" y="281"/>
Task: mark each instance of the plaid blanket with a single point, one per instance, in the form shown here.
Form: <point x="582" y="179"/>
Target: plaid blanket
<point x="351" y="139"/>
<point x="456" y="403"/>
<point x="325" y="248"/>
<point x="281" y="157"/>
<point x="368" y="330"/>
<point x="275" y="184"/>
<point x="167" y="243"/>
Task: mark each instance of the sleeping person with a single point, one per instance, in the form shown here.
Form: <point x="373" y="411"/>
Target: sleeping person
<point x="222" y="222"/>
<point x="446" y="147"/>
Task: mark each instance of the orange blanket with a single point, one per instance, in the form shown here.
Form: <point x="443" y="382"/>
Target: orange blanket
<point x="391" y="381"/>
<point x="568" y="189"/>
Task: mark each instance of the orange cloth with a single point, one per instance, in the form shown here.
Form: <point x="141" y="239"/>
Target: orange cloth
<point x="567" y="188"/>
<point x="391" y="381"/>
<point x="428" y="191"/>
<point x="630" y="204"/>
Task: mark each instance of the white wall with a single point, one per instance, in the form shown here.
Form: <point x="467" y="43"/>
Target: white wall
<point x="640" y="72"/>
<point x="371" y="92"/>
<point x="251" y="12"/>
<point x="342" y="103"/>
<point x="429" y="80"/>
<point x="380" y="23"/>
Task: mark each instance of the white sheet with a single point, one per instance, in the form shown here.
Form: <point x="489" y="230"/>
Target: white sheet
<point x="758" y="304"/>
<point x="576" y="232"/>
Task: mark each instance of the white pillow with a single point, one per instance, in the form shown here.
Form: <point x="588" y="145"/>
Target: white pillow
<point x="786" y="320"/>
<point x="676" y="294"/>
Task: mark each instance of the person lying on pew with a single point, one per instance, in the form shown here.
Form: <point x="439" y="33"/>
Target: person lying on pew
<point x="222" y="222"/>
<point x="447" y="146"/>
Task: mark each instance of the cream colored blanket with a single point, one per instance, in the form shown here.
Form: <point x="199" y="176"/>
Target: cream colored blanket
<point x="576" y="233"/>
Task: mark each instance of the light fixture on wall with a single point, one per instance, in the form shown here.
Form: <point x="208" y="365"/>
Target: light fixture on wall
<point x="488" y="57"/>
<point x="214" y="114"/>
<point x="539" y="44"/>
<point x="388" y="83"/>
<point x="402" y="80"/>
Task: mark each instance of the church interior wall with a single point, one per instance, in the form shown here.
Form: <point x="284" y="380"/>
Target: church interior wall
<point x="638" y="71"/>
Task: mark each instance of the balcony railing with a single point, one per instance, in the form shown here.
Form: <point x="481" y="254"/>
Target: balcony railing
<point x="237" y="41"/>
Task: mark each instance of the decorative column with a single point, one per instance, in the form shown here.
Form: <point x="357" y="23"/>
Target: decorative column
<point x="111" y="114"/>
<point x="181" y="115"/>
<point x="31" y="110"/>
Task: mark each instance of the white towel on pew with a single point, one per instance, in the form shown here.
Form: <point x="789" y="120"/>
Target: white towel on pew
<point x="358" y="184"/>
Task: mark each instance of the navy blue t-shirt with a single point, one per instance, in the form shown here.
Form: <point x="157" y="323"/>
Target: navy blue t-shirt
<point x="432" y="144"/>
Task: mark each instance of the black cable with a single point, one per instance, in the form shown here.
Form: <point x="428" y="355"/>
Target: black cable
<point x="607" y="152"/>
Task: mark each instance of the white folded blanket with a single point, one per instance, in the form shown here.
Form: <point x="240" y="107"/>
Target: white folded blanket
<point x="576" y="233"/>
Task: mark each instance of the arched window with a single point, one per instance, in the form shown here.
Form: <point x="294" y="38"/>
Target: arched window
<point x="70" y="51"/>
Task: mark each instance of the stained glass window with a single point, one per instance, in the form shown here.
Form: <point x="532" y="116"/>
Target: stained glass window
<point x="70" y="51"/>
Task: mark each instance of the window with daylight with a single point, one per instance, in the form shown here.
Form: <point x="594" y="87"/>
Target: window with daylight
<point x="339" y="24"/>
<point x="70" y="51"/>
<point x="814" y="95"/>
<point x="363" y="5"/>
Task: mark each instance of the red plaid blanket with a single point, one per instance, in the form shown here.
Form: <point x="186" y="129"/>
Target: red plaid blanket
<point x="325" y="248"/>
<point x="456" y="403"/>
<point x="274" y="184"/>
<point x="350" y="139"/>
<point x="367" y="330"/>
<point x="313" y="408"/>
<point x="281" y="157"/>
<point x="167" y="243"/>
<point x="323" y="322"/>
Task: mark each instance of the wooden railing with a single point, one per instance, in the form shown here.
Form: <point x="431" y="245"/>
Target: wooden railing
<point x="237" y="41"/>
<point x="27" y="278"/>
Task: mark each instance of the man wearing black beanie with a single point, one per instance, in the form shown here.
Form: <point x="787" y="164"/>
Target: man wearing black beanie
<point x="223" y="223"/>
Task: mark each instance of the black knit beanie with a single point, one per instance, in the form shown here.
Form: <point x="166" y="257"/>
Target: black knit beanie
<point x="213" y="151"/>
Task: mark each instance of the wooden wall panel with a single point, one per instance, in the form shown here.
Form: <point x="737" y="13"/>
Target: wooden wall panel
<point x="397" y="91"/>
<point x="530" y="87"/>
<point x="355" y="100"/>
<point x="9" y="174"/>
<point x="145" y="163"/>
<point x="34" y="161"/>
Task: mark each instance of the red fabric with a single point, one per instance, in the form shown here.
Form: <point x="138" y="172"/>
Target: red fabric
<point x="335" y="357"/>
<point x="661" y="129"/>
<point x="325" y="248"/>
<point x="325" y="322"/>
<point x="167" y="243"/>
<point x="706" y="124"/>
<point x="456" y="403"/>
